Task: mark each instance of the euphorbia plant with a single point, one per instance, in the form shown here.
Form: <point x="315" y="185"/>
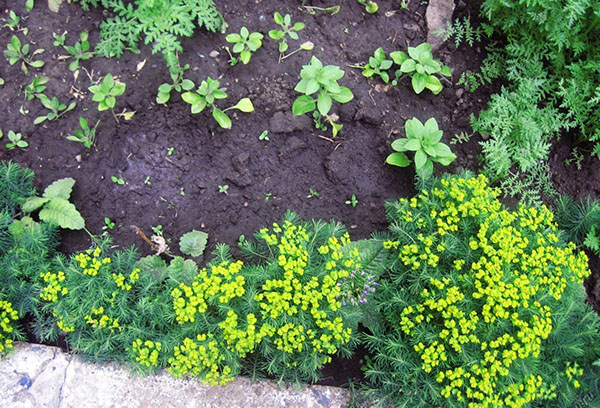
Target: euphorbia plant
<point x="424" y="140"/>
<point x="320" y="88"/>
<point x="205" y="97"/>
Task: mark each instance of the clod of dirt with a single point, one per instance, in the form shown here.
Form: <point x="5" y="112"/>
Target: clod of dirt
<point x="369" y="116"/>
<point x="439" y="12"/>
<point x="336" y="167"/>
<point x="286" y="122"/>
<point x="292" y="144"/>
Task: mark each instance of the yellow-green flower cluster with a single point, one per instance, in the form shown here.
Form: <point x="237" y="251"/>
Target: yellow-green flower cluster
<point x="312" y="299"/>
<point x="7" y="316"/>
<point x="201" y="357"/>
<point x="502" y="286"/>
<point x="146" y="352"/>
<point x="222" y="282"/>
<point x="53" y="288"/>
<point x="241" y="340"/>
<point x="97" y="319"/>
<point x="126" y="283"/>
<point x="91" y="261"/>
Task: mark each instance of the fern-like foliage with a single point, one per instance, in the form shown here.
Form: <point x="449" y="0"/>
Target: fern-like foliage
<point x="551" y="62"/>
<point x="16" y="185"/>
<point x="158" y="22"/>
<point x="464" y="32"/>
<point x="576" y="218"/>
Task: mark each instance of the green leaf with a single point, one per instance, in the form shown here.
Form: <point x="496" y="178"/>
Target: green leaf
<point x="399" y="145"/>
<point x="343" y="96"/>
<point x="303" y="104"/>
<point x="420" y="159"/>
<point x="408" y="66"/>
<point x="245" y="56"/>
<point x="312" y="86"/>
<point x="39" y="120"/>
<point x="244" y="105"/>
<point x="324" y="103"/>
<point x="398" y="159"/>
<point x="222" y="119"/>
<point x="446" y="71"/>
<point x="335" y="128"/>
<point x="418" y="82"/>
<point x="278" y="18"/>
<point x="60" y="211"/>
<point x="33" y="203"/>
<point x="276" y="34"/>
<point x="193" y="243"/>
<point x="427" y="170"/>
<point x="299" y="26"/>
<point x="398" y="57"/>
<point x="233" y="38"/>
<point x="60" y="188"/>
<point x="433" y="84"/>
<point x="413" y="145"/>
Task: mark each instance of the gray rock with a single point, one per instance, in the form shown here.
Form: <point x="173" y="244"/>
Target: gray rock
<point x="286" y="122"/>
<point x="439" y="12"/>
<point x="240" y="161"/>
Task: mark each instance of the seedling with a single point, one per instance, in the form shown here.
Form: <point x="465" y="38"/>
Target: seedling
<point x="322" y="82"/>
<point x="85" y="135"/>
<point x="421" y="67"/>
<point x="106" y="93"/>
<point x="29" y="4"/>
<point x="223" y="189"/>
<point x="245" y="43"/>
<point x="378" y="65"/>
<point x="13" y="23"/>
<point x="268" y="196"/>
<point x="170" y="150"/>
<point x="424" y="140"/>
<point x="15" y="140"/>
<point x="108" y="224"/>
<point x="182" y="192"/>
<point x="1" y="81"/>
<point x="15" y="52"/>
<point x="117" y="180"/>
<point x="179" y="84"/>
<point x="147" y="180"/>
<point x="287" y="29"/>
<point x="36" y="88"/>
<point x="264" y="135"/>
<point x="370" y="6"/>
<point x="312" y="10"/>
<point x="79" y="51"/>
<point x="205" y="97"/>
<point x="353" y="201"/>
<point x="56" y="108"/>
<point x="55" y="205"/>
<point x="312" y="193"/>
<point x="157" y="230"/>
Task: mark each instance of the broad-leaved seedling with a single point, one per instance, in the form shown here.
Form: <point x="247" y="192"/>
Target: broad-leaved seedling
<point x="425" y="141"/>
<point x="245" y="43"/>
<point x="320" y="88"/>
<point x="421" y="67"/>
<point x="85" y="135"/>
<point x="55" y="205"/>
<point x="106" y="94"/>
<point x="179" y="84"/>
<point x="378" y="65"/>
<point x="36" y="88"/>
<point x="79" y="51"/>
<point x="15" y="140"/>
<point x="16" y="51"/>
<point x="205" y="97"/>
<point x="287" y="29"/>
<point x="370" y="6"/>
<point x="56" y="108"/>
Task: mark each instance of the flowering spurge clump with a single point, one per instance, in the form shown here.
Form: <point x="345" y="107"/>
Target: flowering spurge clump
<point x="8" y="316"/>
<point x="103" y="303"/>
<point x="299" y="303"/>
<point x="216" y="326"/>
<point x="484" y="306"/>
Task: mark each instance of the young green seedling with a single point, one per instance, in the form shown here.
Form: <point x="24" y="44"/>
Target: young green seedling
<point x="353" y="201"/>
<point x="36" y="88"/>
<point x="378" y="65"/>
<point x="108" y="224"/>
<point x="320" y="88"/>
<point x="56" y="108"/>
<point x="312" y="193"/>
<point x="106" y="93"/>
<point x="370" y="6"/>
<point x="223" y="189"/>
<point x="13" y="21"/>
<point x="85" y="135"/>
<point x="117" y="180"/>
<point x="179" y="84"/>
<point x="16" y="51"/>
<point x="205" y="97"/>
<point x="287" y="29"/>
<point x="15" y="140"/>
<point x="424" y="140"/>
<point x="79" y="51"/>
<point x="421" y="67"/>
<point x="245" y="43"/>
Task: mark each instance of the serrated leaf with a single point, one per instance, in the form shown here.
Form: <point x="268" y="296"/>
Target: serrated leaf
<point x="60" y="188"/>
<point x="61" y="212"/>
<point x="193" y="243"/>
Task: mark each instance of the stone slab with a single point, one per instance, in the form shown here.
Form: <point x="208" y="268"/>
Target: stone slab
<point x="35" y="376"/>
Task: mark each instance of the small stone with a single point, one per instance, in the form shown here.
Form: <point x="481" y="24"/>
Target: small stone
<point x="459" y="93"/>
<point x="213" y="54"/>
<point x="484" y="136"/>
<point x="78" y="158"/>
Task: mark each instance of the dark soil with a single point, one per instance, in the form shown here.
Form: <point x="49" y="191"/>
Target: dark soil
<point x="181" y="191"/>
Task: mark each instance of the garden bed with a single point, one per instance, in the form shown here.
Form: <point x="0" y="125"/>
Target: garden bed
<point x="182" y="171"/>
